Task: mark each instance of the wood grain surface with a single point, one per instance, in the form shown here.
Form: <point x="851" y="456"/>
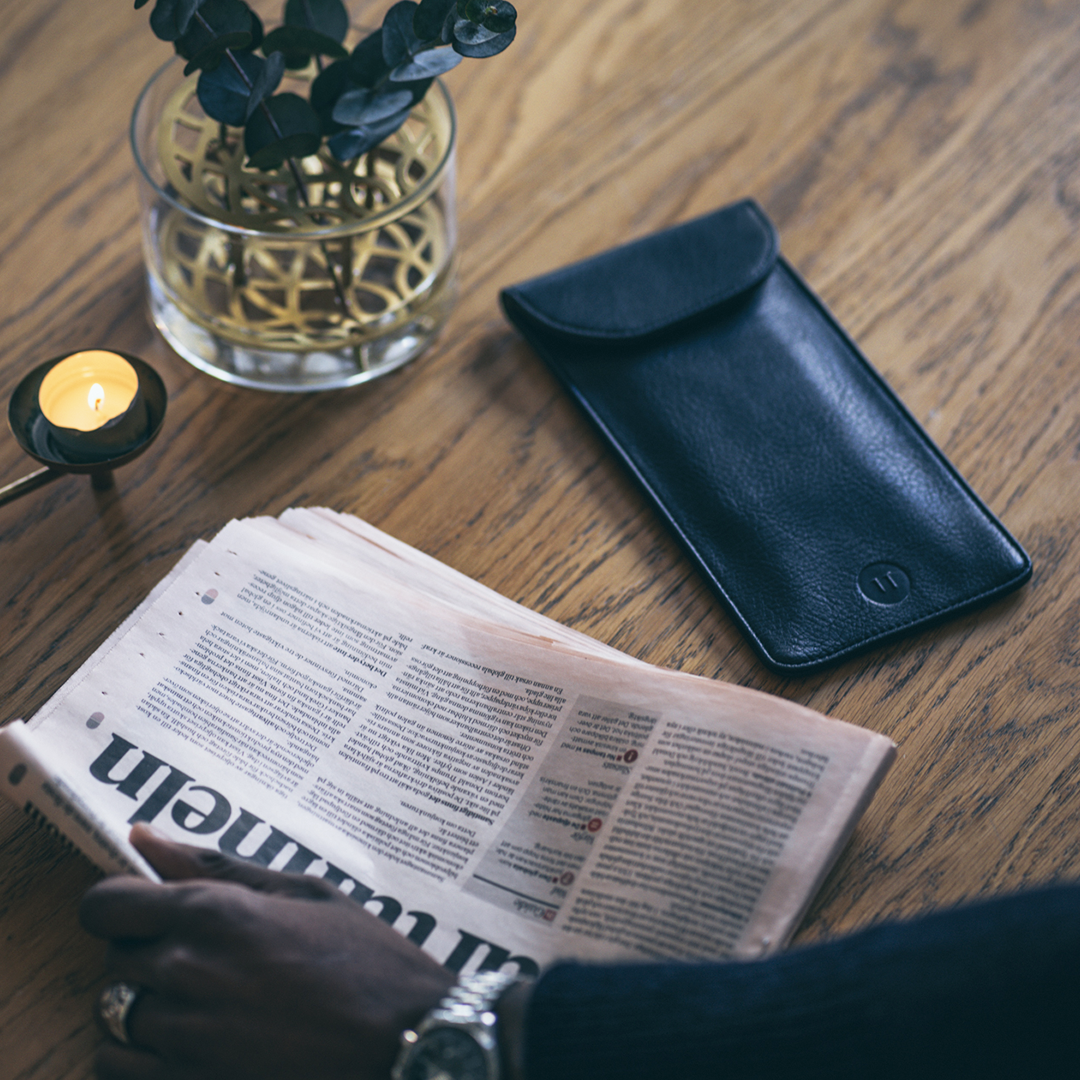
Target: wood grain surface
<point x="922" y="161"/>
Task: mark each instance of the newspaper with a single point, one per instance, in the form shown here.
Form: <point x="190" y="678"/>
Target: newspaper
<point x="317" y="697"/>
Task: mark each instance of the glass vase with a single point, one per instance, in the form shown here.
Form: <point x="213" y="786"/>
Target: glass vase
<point x="294" y="280"/>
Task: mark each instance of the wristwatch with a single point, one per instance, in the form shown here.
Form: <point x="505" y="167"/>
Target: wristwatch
<point x="456" y="1040"/>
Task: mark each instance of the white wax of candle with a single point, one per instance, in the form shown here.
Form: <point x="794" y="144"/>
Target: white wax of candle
<point x="88" y="389"/>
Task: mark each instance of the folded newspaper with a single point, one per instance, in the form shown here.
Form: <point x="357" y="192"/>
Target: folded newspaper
<point x="311" y="694"/>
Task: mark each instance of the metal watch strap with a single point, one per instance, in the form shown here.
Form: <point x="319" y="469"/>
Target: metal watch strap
<point x="467" y="1006"/>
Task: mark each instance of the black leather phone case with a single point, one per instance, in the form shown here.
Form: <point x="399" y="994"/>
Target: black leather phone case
<point x="812" y="501"/>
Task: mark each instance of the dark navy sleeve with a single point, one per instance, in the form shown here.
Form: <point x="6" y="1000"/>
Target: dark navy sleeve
<point x="989" y="990"/>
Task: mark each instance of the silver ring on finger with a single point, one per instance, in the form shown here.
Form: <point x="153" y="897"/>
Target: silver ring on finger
<point x="114" y="1007"/>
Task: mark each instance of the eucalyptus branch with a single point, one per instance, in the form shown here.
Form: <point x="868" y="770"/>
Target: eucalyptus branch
<point x="311" y="22"/>
<point x="354" y="103"/>
<point x="294" y="168"/>
<point x="301" y="187"/>
<point x="357" y="101"/>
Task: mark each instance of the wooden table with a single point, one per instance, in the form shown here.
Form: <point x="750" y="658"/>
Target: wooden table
<point x="922" y="161"/>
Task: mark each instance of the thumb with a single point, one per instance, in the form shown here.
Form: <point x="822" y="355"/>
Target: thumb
<point x="173" y="861"/>
<point x="181" y="862"/>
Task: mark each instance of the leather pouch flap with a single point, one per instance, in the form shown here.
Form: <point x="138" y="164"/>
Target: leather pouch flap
<point x="657" y="282"/>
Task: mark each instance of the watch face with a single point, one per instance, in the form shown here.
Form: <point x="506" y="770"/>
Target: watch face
<point x="446" y="1054"/>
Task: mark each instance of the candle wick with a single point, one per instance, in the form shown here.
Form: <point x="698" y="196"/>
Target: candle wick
<point x="96" y="398"/>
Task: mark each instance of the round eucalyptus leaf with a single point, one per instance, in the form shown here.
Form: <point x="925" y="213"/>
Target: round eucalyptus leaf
<point x="347" y="145"/>
<point x="207" y="59"/>
<point x="491" y="47"/>
<point x="470" y="33"/>
<point x="224" y="17"/>
<point x="398" y="38"/>
<point x="358" y="108"/>
<point x="170" y="18"/>
<point x="329" y="17"/>
<point x="447" y="35"/>
<point x="499" y="16"/>
<point x="429" y="17"/>
<point x="224" y="93"/>
<point x="426" y="65"/>
<point x="300" y="41"/>
<point x="295" y="131"/>
<point x="472" y="10"/>
<point x="265" y="83"/>
<point x="328" y="86"/>
<point x="366" y="63"/>
<point x="257" y="33"/>
<point x="141" y="3"/>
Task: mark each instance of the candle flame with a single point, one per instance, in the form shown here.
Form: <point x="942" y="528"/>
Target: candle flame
<point x="96" y="398"/>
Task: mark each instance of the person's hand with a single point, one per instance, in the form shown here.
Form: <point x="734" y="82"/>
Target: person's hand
<point x="248" y="973"/>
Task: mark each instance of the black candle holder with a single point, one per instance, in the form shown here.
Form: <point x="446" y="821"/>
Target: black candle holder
<point x="37" y="437"/>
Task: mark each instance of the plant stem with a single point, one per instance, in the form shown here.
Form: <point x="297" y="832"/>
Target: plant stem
<point x="311" y="23"/>
<point x="301" y="188"/>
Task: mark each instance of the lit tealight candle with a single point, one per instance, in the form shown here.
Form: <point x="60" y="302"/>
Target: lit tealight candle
<point x="88" y="389"/>
<point x="92" y="407"/>
<point x="87" y="412"/>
